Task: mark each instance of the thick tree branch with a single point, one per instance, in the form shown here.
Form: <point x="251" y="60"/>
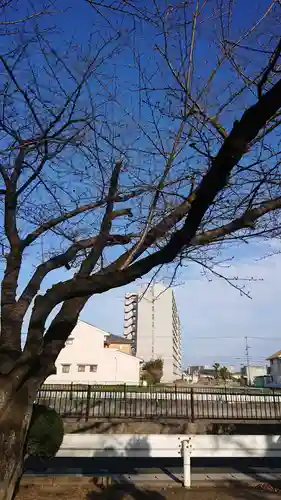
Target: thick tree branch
<point x="155" y="234"/>
<point x="219" y="189"/>
<point x="10" y="340"/>
<point x="66" y="318"/>
<point x="33" y="176"/>
<point x="89" y="263"/>
<point x="233" y="149"/>
<point x="18" y="165"/>
<point x="270" y="67"/>
<point x="61" y="260"/>
<point x="4" y="175"/>
<point x="52" y="223"/>
<point x="100" y="282"/>
<point x="10" y="220"/>
<point x="62" y="324"/>
<point x="246" y="221"/>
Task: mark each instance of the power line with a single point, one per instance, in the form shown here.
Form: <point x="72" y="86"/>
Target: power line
<point x="235" y="337"/>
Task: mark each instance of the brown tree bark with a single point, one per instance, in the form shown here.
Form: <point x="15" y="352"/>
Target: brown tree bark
<point x="15" y="415"/>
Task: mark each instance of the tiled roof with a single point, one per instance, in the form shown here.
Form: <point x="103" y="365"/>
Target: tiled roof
<point x="116" y="339"/>
<point x="275" y="355"/>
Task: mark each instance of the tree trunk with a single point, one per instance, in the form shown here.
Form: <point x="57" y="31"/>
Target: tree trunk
<point x="15" y="416"/>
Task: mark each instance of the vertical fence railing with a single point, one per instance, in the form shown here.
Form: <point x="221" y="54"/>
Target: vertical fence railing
<point x="88" y="403"/>
<point x="125" y="401"/>
<point x="85" y="402"/>
<point x="192" y="412"/>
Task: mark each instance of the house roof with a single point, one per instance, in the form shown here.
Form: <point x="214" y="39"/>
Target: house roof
<point x="207" y="371"/>
<point x="122" y="353"/>
<point x="116" y="339"/>
<point x="94" y="326"/>
<point x="275" y="355"/>
<point x="110" y="338"/>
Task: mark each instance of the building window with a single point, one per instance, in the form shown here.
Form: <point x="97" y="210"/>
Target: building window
<point x="69" y="341"/>
<point x="93" y="368"/>
<point x="65" y="368"/>
<point x="81" y="368"/>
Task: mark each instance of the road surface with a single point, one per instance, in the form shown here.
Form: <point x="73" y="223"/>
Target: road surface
<point x="161" y="469"/>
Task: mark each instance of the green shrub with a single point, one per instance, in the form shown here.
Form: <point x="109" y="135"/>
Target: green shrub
<point x="152" y="371"/>
<point x="148" y="377"/>
<point x="45" y="433"/>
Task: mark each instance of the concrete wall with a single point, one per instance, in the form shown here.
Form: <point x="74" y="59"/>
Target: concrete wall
<point x="145" y="339"/>
<point x="85" y="360"/>
<point x="153" y="324"/>
<point x="275" y="370"/>
<point x="121" y="347"/>
<point x="130" y="319"/>
<point x="251" y="372"/>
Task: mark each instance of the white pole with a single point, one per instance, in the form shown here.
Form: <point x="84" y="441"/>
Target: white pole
<point x="186" y="451"/>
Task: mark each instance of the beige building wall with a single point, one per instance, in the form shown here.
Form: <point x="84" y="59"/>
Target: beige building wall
<point x="151" y="320"/>
<point x="126" y="348"/>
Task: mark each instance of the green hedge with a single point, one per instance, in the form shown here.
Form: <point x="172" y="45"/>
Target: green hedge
<point x="45" y="433"/>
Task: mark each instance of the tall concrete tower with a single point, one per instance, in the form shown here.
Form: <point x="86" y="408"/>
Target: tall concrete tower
<point x="152" y="322"/>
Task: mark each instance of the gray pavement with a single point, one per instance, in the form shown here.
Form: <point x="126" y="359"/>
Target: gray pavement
<point x="224" y="471"/>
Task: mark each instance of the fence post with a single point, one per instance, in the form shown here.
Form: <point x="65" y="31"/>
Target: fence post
<point x="226" y="401"/>
<point x="125" y="399"/>
<point x="192" y="404"/>
<point x="88" y="403"/>
<point x="274" y="402"/>
<point x="176" y="400"/>
<point x="186" y="451"/>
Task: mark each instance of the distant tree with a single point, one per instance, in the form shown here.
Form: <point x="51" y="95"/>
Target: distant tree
<point x="152" y="371"/>
<point x="224" y="373"/>
<point x="217" y="367"/>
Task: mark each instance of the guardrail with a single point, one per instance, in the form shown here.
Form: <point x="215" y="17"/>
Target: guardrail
<point x="170" y="446"/>
<point x="84" y="402"/>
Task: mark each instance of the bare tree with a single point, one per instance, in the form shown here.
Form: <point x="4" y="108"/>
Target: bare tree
<point x="106" y="189"/>
<point x="13" y="18"/>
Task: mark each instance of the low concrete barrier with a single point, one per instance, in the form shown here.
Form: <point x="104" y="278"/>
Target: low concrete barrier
<point x="169" y="446"/>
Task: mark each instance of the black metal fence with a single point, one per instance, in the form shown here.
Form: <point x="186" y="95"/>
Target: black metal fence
<point x="85" y="402"/>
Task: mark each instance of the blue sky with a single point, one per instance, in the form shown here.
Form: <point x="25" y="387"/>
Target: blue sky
<point x="209" y="311"/>
<point x="214" y="309"/>
<point x="215" y="318"/>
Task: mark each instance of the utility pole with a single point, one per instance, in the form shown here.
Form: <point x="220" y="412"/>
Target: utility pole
<point x="153" y="322"/>
<point x="247" y="360"/>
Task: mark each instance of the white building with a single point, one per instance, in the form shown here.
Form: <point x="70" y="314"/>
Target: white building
<point x="151" y="321"/>
<point x="251" y="372"/>
<point x="87" y="359"/>
<point x="275" y="368"/>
